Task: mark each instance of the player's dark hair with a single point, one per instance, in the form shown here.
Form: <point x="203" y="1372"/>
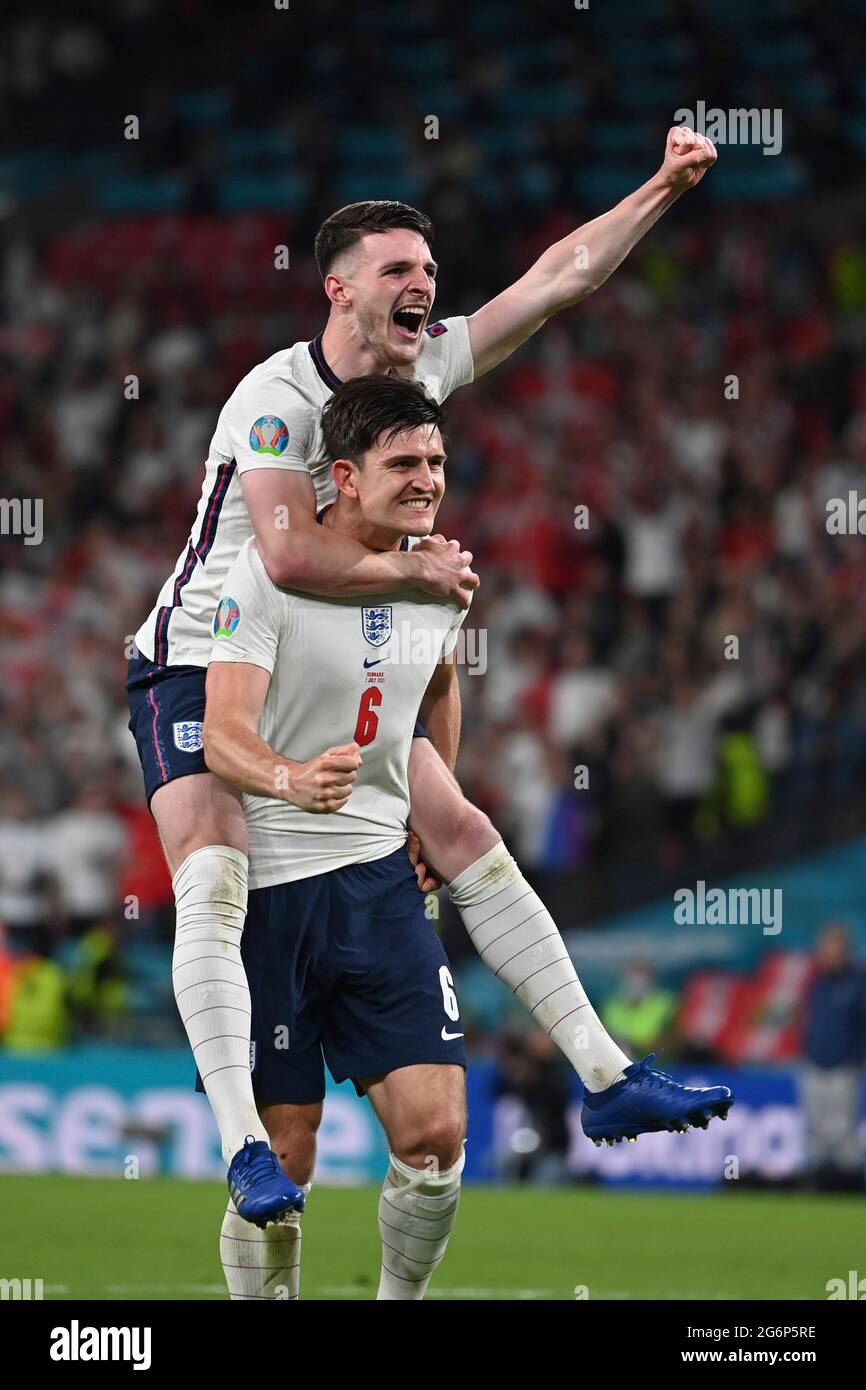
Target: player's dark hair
<point x="365" y="409"/>
<point x="346" y="227"/>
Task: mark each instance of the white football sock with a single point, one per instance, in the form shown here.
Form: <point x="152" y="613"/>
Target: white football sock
<point x="416" y="1213"/>
<point x="210" y="986"/>
<point x="519" y="941"/>
<point x="261" y="1264"/>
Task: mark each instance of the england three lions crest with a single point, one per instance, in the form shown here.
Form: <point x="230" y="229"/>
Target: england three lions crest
<point x="188" y="736"/>
<point x="376" y="625"/>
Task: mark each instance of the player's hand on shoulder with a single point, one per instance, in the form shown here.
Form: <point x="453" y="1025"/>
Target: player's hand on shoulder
<point x="688" y="156"/>
<point x="444" y="569"/>
<point x="324" y="784"/>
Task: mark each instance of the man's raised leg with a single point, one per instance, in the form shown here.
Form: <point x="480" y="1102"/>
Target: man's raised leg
<point x="507" y="922"/>
<point x="423" y="1112"/>
<point x="517" y="938"/>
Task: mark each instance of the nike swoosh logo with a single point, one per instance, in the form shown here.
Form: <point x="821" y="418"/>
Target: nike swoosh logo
<point x="448" y="1037"/>
<point x="375" y="661"/>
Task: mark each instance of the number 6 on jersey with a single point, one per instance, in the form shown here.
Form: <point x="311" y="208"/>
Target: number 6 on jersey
<point x="368" y="721"/>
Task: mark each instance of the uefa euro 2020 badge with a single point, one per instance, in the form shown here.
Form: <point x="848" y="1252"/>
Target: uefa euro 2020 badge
<point x="226" y="617"/>
<point x="376" y="625"/>
<point x="269" y="435"/>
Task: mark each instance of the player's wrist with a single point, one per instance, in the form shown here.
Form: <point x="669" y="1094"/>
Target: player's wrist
<point x="286" y="781"/>
<point x="414" y="568"/>
<point x="668" y="183"/>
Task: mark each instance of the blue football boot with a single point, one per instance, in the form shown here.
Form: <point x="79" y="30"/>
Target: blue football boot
<point x="647" y="1101"/>
<point x="258" y="1186"/>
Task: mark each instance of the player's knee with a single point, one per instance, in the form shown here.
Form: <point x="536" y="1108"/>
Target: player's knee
<point x="436" y="1144"/>
<point x="475" y="832"/>
<point x="212" y="880"/>
<point x="297" y="1155"/>
<point x="293" y="1140"/>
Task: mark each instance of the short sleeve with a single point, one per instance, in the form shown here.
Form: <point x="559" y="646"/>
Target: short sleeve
<point x="248" y="618"/>
<point x="271" y="424"/>
<point x="445" y="361"/>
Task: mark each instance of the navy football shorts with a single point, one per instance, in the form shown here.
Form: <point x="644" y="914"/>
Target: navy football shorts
<point x="346" y="969"/>
<point x="166" y="716"/>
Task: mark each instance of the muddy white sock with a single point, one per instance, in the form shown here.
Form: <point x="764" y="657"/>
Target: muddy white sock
<point x="416" y="1213"/>
<point x="519" y="941"/>
<point x="261" y="1264"/>
<point x="210" y="986"/>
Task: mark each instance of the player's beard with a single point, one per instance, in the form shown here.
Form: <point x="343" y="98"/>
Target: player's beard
<point x="379" y="341"/>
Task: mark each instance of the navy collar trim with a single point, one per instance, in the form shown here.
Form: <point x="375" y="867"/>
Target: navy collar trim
<point x="329" y="378"/>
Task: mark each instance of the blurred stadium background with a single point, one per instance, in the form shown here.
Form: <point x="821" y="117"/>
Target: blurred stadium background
<point x="154" y="259"/>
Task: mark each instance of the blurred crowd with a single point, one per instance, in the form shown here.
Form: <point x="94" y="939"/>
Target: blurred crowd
<point x="667" y="651"/>
<point x="668" y="645"/>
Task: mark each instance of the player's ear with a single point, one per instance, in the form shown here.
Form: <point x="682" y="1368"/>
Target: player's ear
<point x="343" y="473"/>
<point x="336" y="290"/>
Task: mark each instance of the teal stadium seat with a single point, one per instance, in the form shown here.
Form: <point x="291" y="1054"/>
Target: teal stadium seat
<point x="536" y="182"/>
<point x="372" y="144"/>
<point x="264" y="188"/>
<point x="431" y="58"/>
<point x="746" y="17"/>
<point x="209" y="108"/>
<point x="541" y="102"/>
<point x="606" y="183"/>
<point x="640" y="55"/>
<point x="628" y="15"/>
<point x="496" y="20"/>
<point x="353" y="185"/>
<point x="779" y="52"/>
<point x="652" y="92"/>
<point x="619" y="137"/>
<point x="260" y="144"/>
<point x="131" y="193"/>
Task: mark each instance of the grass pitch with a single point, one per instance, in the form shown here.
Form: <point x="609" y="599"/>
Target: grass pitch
<point x="94" y="1238"/>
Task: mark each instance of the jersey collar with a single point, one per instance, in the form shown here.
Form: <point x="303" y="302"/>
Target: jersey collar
<point x="319" y="362"/>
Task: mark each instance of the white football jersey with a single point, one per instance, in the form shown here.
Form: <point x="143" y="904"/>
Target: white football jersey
<point x="271" y="420"/>
<point x="341" y="669"/>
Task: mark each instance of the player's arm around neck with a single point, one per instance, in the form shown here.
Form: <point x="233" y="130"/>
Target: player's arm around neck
<point x="440" y="710"/>
<point x="300" y="554"/>
<point x="573" y="268"/>
<point x="236" y="693"/>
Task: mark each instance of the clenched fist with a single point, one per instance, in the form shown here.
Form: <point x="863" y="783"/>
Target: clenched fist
<point x="688" y="156"/>
<point x="324" y="784"/>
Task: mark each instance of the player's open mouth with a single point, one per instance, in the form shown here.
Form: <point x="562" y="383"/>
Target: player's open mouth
<point x="409" y="320"/>
<point x="417" y="504"/>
